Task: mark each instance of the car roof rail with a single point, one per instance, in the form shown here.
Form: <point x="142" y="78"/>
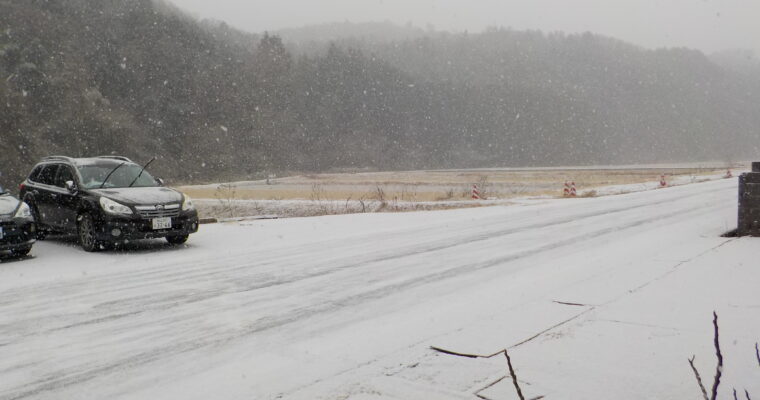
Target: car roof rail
<point x="58" y="158"/>
<point x="120" y="158"/>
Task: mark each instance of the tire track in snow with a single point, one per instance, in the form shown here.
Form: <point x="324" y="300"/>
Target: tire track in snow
<point x="218" y="267"/>
<point x="231" y="285"/>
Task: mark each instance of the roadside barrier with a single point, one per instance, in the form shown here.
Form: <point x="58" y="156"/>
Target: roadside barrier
<point x="475" y="193"/>
<point x="570" y="190"/>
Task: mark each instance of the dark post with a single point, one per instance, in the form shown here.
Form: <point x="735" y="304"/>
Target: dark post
<point x="749" y="202"/>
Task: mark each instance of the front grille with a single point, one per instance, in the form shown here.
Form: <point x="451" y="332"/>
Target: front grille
<point x="158" y="211"/>
<point x="14" y="233"/>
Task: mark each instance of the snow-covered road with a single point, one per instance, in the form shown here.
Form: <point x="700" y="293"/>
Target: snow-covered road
<point x="346" y="307"/>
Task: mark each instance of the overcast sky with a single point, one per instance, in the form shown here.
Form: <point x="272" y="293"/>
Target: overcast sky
<point x="708" y="25"/>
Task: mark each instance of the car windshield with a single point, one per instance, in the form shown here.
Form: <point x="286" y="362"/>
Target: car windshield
<point x="93" y="176"/>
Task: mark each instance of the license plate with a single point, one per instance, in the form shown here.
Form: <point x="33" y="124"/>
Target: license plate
<point x="162" y="223"/>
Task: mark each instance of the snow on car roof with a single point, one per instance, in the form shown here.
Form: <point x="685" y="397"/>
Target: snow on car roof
<point x="82" y="162"/>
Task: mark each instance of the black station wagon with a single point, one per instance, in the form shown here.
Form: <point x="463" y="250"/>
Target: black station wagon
<point x="104" y="201"/>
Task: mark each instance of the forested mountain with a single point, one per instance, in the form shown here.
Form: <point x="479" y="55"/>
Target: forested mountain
<point x="137" y="77"/>
<point x="313" y="40"/>
<point x="738" y="60"/>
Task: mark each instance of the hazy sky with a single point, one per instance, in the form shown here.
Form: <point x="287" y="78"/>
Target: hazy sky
<point x="708" y="25"/>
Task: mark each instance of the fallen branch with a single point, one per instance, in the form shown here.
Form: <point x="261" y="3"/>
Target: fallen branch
<point x="564" y="303"/>
<point x="757" y="353"/>
<point x="454" y="353"/>
<point x="514" y="376"/>
<point x="509" y="364"/>
<point x="490" y="385"/>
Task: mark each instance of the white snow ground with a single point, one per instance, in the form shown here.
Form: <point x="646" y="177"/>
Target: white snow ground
<point x="346" y="307"/>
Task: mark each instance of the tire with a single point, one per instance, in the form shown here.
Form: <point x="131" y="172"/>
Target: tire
<point x="41" y="234"/>
<point x="177" y="240"/>
<point x="86" y="234"/>
<point x="21" y="252"/>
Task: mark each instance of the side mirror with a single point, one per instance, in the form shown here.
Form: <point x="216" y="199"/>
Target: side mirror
<point x="71" y="187"/>
<point x="160" y="182"/>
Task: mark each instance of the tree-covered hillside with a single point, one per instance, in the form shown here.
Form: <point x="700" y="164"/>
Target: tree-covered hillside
<point x="137" y="77"/>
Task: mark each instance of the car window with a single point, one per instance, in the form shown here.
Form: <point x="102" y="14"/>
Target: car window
<point x="35" y="173"/>
<point x="64" y="174"/>
<point x="47" y="175"/>
<point x="95" y="176"/>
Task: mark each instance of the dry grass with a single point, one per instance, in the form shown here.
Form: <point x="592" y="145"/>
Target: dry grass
<point x="425" y="186"/>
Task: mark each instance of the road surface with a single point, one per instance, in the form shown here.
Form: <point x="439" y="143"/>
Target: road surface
<point x="595" y="298"/>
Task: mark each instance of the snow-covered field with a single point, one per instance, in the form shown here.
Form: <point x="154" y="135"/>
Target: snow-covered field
<point x="449" y="185"/>
<point x="347" y="307"/>
<point x="608" y="182"/>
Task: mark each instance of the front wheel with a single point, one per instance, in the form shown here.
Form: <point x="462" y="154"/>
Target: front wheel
<point x="86" y="233"/>
<point x="21" y="252"/>
<point x="41" y="234"/>
<point x="177" y="240"/>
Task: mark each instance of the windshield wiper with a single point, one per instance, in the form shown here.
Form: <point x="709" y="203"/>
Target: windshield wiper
<point x="111" y="173"/>
<point x="142" y="170"/>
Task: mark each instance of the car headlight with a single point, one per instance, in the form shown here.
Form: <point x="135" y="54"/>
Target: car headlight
<point x="187" y="204"/>
<point x="23" y="211"/>
<point x="112" y="207"/>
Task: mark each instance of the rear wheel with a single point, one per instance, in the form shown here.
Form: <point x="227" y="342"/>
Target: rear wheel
<point x="86" y="233"/>
<point x="177" y="240"/>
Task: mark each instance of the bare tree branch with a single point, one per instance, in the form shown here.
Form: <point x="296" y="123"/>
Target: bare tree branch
<point x="699" y="378"/>
<point x="757" y="353"/>
<point x="735" y="398"/>
<point x="746" y="393"/>
<point x="719" y="355"/>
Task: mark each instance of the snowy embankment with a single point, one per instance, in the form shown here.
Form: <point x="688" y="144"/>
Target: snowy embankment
<point x="595" y="298"/>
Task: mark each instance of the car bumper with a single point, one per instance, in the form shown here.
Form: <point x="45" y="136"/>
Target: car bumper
<point x="17" y="234"/>
<point x="116" y="229"/>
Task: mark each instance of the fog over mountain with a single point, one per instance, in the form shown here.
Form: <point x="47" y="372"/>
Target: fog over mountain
<point x="143" y="79"/>
<point x="707" y="25"/>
